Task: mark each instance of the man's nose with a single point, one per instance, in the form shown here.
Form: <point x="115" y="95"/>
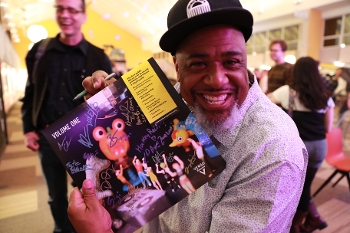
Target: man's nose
<point x="216" y="76"/>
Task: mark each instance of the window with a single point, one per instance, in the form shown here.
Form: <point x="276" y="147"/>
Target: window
<point x="337" y="31"/>
<point x="291" y="35"/>
<point x="260" y="42"/>
<point x="346" y="37"/>
<point x="332" y="31"/>
<point x="249" y="45"/>
<point x="275" y="34"/>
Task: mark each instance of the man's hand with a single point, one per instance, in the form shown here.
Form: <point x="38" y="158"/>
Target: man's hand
<point x="86" y="212"/>
<point x="31" y="140"/>
<point x="95" y="83"/>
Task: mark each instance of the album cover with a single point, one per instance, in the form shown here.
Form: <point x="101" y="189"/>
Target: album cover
<point x="139" y="143"/>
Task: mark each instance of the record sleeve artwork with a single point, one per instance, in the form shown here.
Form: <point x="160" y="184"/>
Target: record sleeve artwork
<point x="139" y="143"/>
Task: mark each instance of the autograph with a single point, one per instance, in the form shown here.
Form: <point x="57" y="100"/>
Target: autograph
<point x="91" y="117"/>
<point x="64" y="145"/>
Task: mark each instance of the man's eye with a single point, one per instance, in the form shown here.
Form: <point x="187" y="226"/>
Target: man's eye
<point x="197" y="64"/>
<point x="231" y="62"/>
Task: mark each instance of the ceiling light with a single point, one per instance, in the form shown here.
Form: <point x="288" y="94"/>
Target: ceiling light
<point x="254" y="53"/>
<point x="36" y="33"/>
<point x="342" y="45"/>
<point x="265" y="67"/>
<point x="126" y="14"/>
<point x="290" y="59"/>
<point x="15" y="37"/>
<point x="4" y="4"/>
<point x="106" y="16"/>
<point x="139" y="18"/>
<point x="30" y="46"/>
<point x="338" y="64"/>
<point x="261" y="8"/>
<point x="11" y="25"/>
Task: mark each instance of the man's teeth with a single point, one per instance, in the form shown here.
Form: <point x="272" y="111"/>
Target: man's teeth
<point x="215" y="99"/>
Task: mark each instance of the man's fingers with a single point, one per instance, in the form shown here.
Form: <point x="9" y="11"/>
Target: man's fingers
<point x="76" y="197"/>
<point x="95" y="83"/>
<point x="88" y="86"/>
<point x="98" y="79"/>
<point x="89" y="193"/>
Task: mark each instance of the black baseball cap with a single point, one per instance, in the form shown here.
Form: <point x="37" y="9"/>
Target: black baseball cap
<point x="187" y="16"/>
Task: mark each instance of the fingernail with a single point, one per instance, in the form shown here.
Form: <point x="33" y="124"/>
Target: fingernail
<point x="88" y="184"/>
<point x="94" y="84"/>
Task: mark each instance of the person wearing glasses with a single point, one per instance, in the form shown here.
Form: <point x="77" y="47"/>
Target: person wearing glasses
<point x="279" y="74"/>
<point x="56" y="68"/>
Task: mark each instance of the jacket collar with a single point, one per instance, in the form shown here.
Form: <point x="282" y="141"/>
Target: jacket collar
<point x="56" y="44"/>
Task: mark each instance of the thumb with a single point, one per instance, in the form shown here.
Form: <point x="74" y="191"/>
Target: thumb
<point x="90" y="196"/>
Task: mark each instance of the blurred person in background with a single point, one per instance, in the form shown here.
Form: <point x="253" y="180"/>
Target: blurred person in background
<point x="263" y="80"/>
<point x="66" y="60"/>
<point x="279" y="74"/>
<point x="117" y="58"/>
<point x="344" y="74"/>
<point x="257" y="74"/>
<point x="311" y="108"/>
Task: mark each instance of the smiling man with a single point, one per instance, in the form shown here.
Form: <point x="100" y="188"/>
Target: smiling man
<point x="265" y="158"/>
<point x="56" y="67"/>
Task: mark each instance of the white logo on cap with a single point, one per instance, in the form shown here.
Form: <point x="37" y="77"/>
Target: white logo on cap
<point x="197" y="7"/>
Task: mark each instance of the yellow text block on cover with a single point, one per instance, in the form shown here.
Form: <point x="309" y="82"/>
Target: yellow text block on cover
<point x="149" y="92"/>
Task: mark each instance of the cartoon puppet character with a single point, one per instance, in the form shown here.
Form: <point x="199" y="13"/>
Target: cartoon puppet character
<point x="180" y="135"/>
<point x="94" y="166"/>
<point x="114" y="143"/>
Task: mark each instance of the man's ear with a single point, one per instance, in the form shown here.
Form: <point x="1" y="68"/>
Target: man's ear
<point x="176" y="68"/>
<point x="250" y="77"/>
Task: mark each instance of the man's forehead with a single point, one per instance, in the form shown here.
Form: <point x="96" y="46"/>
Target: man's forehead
<point x="222" y="37"/>
<point x="276" y="46"/>
<point x="219" y="42"/>
<point x="69" y="2"/>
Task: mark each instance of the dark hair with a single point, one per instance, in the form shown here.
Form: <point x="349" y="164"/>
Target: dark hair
<point x="307" y="81"/>
<point x="282" y="43"/>
<point x="83" y="6"/>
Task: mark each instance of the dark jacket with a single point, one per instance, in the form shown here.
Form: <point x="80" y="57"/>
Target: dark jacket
<point x="36" y="87"/>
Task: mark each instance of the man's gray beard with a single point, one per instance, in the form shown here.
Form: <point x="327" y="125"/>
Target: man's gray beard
<point x="220" y="123"/>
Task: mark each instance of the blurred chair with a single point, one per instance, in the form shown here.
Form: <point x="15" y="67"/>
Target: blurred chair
<point x="336" y="158"/>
